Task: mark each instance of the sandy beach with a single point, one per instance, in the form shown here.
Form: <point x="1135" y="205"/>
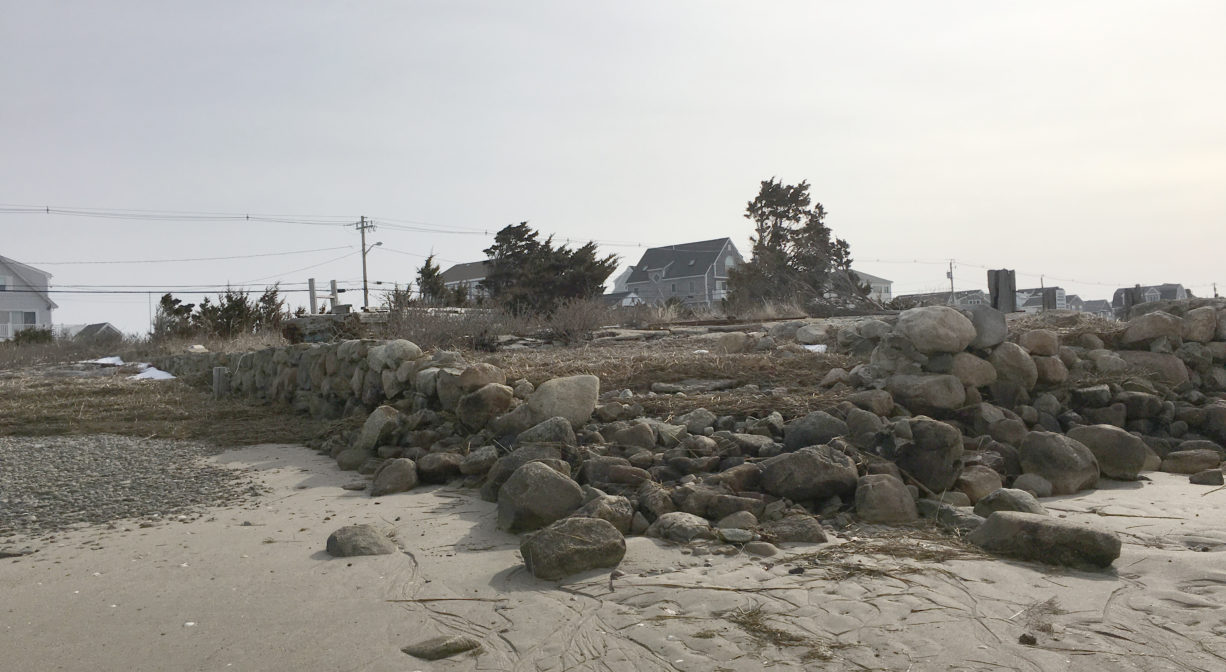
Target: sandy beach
<point x="251" y="588"/>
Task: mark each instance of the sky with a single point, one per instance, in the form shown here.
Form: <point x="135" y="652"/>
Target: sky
<point x="1080" y="143"/>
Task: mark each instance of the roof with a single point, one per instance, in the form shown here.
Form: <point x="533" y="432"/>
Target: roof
<point x="870" y="278"/>
<point x="1095" y="305"/>
<point x="20" y="269"/>
<point x="469" y="272"/>
<point x="98" y="330"/>
<point x="942" y="297"/>
<point x="679" y="261"/>
<point x="1167" y="290"/>
<point x="1036" y="290"/>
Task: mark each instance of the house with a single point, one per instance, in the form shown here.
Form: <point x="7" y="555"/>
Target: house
<point x="1126" y="297"/>
<point x="100" y="332"/>
<point x="970" y="297"/>
<point x="880" y="289"/>
<point x="467" y="275"/>
<point x="1099" y="307"/>
<point x="1074" y="302"/>
<point x="622" y="299"/>
<point x="24" y="299"/>
<point x="696" y="274"/>
<point x="1026" y="299"/>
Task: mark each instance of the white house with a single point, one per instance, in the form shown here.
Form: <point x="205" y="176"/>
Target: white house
<point x="24" y="301"/>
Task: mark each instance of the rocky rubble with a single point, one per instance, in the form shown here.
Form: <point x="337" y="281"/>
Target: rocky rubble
<point x="948" y="411"/>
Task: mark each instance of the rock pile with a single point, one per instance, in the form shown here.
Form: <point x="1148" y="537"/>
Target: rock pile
<point x="946" y="412"/>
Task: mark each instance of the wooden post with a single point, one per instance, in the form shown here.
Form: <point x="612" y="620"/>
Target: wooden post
<point x="221" y="382"/>
<point x="311" y="287"/>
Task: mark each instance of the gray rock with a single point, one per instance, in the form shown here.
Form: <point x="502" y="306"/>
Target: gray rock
<point x="697" y="420"/>
<point x="617" y="510"/>
<point x="972" y="371"/>
<point x="1066" y="463"/>
<point x="763" y="549"/>
<point x="441" y="647"/>
<point x="1190" y="461"/>
<point x="936" y="329"/>
<point x="1049" y="370"/>
<point x="1200" y="325"/>
<point x="1008" y="499"/>
<point x="554" y="430"/>
<point x="380" y="426"/>
<point x="353" y="459"/>
<point x="1014" y="364"/>
<point x="439" y="467"/>
<point x="479" y="461"/>
<point x="1120" y="455"/>
<point x="355" y="540"/>
<point x="1151" y="326"/>
<point x="1042" y="342"/>
<point x="978" y="481"/>
<point x="573" y="398"/>
<point x="958" y="520"/>
<point x="1034" y="484"/>
<point x="507" y="464"/>
<point x="1095" y="396"/>
<point x="989" y="323"/>
<point x="939" y="393"/>
<point x="795" y="528"/>
<point x="1164" y="368"/>
<point x="813" y="429"/>
<point x="572" y="545"/>
<point x="934" y="456"/>
<point x="1029" y="536"/>
<point x="395" y="475"/>
<point x="680" y="527"/>
<point x="809" y="473"/>
<point x="535" y="496"/>
<point x="477" y="408"/>
<point x="1206" y="477"/>
<point x="882" y="498"/>
<point x="743" y="520"/>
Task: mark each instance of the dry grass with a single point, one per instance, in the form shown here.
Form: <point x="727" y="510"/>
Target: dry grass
<point x="37" y="404"/>
<point x="1068" y="324"/>
<point x="922" y="543"/>
<point x="755" y="624"/>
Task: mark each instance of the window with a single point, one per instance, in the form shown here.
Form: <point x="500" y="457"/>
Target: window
<point x="674" y="287"/>
<point x="691" y="286"/>
<point x="4" y="283"/>
<point x="29" y="318"/>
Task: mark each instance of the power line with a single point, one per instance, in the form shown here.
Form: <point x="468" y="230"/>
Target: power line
<point x="166" y="261"/>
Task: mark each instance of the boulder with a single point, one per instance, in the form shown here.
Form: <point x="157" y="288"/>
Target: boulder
<point x="1034" y="537"/>
<point x="1190" y="461"/>
<point x="934" y="455"/>
<point x="395" y="475"/>
<point x="572" y="545"/>
<point x="617" y="510"/>
<point x="989" y="323"/>
<point x="873" y="401"/>
<point x="797" y="528"/>
<point x="1120" y="455"/>
<point x="354" y="540"/>
<point x="1014" y="364"/>
<point x="816" y="472"/>
<point x="478" y="461"/>
<point x="697" y="420"/>
<point x="1200" y="324"/>
<point x="1008" y="499"/>
<point x="936" y="329"/>
<point x="1095" y="396"/>
<point x="443" y="646"/>
<point x="939" y="393"/>
<point x="1207" y="477"/>
<point x="637" y="434"/>
<point x="977" y="482"/>
<point x="1050" y="371"/>
<point x="1034" y="484"/>
<point x="554" y="430"/>
<point x="811" y="334"/>
<point x="477" y="408"/>
<point x="1042" y="342"/>
<point x="380" y="426"/>
<point x="479" y="375"/>
<point x="390" y="355"/>
<point x="573" y="398"/>
<point x="507" y="464"/>
<point x="973" y="371"/>
<point x="439" y="467"/>
<point x="1067" y="464"/>
<point x="813" y="429"/>
<point x="882" y="498"/>
<point x="680" y="527"/>
<point x="353" y="458"/>
<point x="1149" y="327"/>
<point x="1165" y="368"/>
<point x="535" y="496"/>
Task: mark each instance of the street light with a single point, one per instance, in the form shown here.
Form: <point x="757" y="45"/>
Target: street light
<point x="365" y="291"/>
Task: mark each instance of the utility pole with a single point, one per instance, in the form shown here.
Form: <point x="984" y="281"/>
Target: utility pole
<point x="950" y="275"/>
<point x="363" y="226"/>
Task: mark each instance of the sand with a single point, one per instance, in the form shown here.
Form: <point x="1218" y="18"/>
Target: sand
<point x="252" y="589"/>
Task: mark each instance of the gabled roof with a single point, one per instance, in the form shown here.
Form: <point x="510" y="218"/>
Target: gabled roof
<point x="469" y="272"/>
<point x="1096" y="305"/>
<point x="1168" y="291"/>
<point x="870" y="278"/>
<point x="22" y="272"/>
<point x="678" y="261"/>
<point x="936" y="298"/>
<point x="99" y="330"/>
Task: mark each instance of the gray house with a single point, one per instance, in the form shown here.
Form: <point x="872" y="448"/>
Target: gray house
<point x="467" y="275"/>
<point x="696" y="274"/>
<point x="1126" y="297"/>
<point x="24" y="299"/>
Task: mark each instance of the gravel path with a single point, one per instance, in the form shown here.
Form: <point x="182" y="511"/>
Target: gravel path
<point x="49" y="484"/>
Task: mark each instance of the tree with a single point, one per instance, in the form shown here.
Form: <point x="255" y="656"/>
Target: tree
<point x="430" y="282"/>
<point x="793" y="250"/>
<point x="527" y="275"/>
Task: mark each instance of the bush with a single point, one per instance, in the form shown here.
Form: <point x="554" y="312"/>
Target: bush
<point x="576" y="319"/>
<point x="471" y="328"/>
<point x="32" y="337"/>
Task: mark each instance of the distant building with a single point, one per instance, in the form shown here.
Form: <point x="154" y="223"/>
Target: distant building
<point x="469" y="276"/>
<point x="622" y="299"/>
<point x="1125" y="297"/>
<point x="693" y="273"/>
<point x="1074" y="302"/>
<point x="100" y="332"/>
<point x="970" y="297"/>
<point x="1031" y="300"/>
<point x="880" y="289"/>
<point x="24" y="299"/>
<point x="1099" y="307"/>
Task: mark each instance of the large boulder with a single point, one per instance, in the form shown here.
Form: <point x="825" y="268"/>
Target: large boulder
<point x="1149" y="327"/>
<point x="507" y="464"/>
<point x="1029" y="536"/>
<point x="483" y="404"/>
<point x="813" y="429"/>
<point x="883" y="498"/>
<point x="1200" y="324"/>
<point x="1014" y="364"/>
<point x="380" y="426"/>
<point x="572" y="397"/>
<point x="572" y="545"/>
<point x="973" y="371"/>
<point x="395" y="475"/>
<point x="439" y="467"/>
<point x="978" y="481"/>
<point x="1165" y="368"/>
<point x="990" y="327"/>
<point x="354" y="540"/>
<point x="810" y="473"/>
<point x="939" y="393"/>
<point x="1042" y="342"/>
<point x="479" y="375"/>
<point x="680" y="527"/>
<point x="797" y="528"/>
<point x="1190" y="461"/>
<point x="616" y="510"/>
<point x="936" y="329"/>
<point x="1067" y="464"/>
<point x="535" y="496"/>
<point x="934" y="455"/>
<point x="1120" y="455"/>
<point x="1009" y="499"/>
<point x="554" y="430"/>
<point x="1050" y="370"/>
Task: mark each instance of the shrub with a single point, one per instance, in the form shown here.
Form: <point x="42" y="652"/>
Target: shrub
<point x="576" y="319"/>
<point x="32" y="337"/>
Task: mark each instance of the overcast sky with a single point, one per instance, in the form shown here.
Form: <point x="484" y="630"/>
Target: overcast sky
<point x="1080" y="140"/>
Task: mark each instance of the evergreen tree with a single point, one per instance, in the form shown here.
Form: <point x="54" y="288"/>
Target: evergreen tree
<point x="430" y="282"/>
<point x="527" y="275"/>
